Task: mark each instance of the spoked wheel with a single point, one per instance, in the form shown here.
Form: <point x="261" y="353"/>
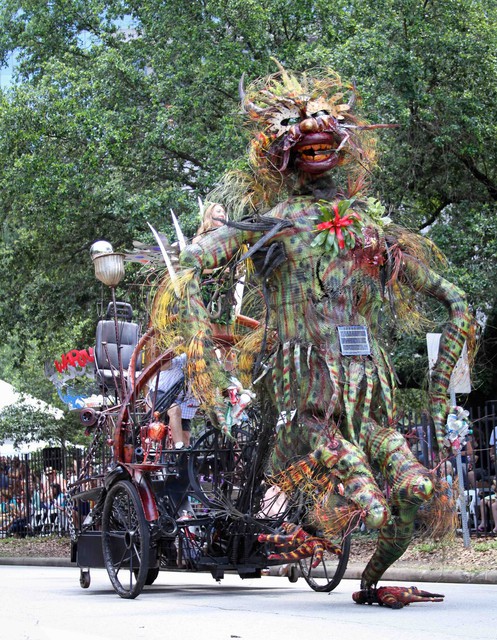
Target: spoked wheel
<point x="218" y="467"/>
<point x="125" y="540"/>
<point x="152" y="575"/>
<point x="329" y="572"/>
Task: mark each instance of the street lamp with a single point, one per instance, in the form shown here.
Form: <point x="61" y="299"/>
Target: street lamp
<point x="109" y="269"/>
<point x="109" y="266"/>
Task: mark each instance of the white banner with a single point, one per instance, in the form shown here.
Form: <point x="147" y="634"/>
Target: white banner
<point x="460" y="381"/>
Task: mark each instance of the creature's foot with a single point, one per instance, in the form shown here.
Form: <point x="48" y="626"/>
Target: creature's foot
<point x="305" y="545"/>
<point x="395" y="597"/>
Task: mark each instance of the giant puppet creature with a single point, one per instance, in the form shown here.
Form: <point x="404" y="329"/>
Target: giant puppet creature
<point x="331" y="268"/>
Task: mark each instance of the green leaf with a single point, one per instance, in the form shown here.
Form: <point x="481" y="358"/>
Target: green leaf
<point x="331" y="241"/>
<point x="320" y="239"/>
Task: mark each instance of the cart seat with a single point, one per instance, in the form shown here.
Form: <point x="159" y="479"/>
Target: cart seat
<point x="108" y="344"/>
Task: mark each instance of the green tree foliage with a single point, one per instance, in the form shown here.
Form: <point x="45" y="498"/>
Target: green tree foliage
<point x="23" y="424"/>
<point x="106" y="129"/>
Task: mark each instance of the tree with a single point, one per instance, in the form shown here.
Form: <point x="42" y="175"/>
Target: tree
<point x="23" y="424"/>
<point x="106" y="129"/>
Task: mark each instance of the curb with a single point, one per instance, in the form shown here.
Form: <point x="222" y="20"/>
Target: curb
<point x="414" y="574"/>
<point x="406" y="574"/>
<point x="37" y="562"/>
<point x="353" y="572"/>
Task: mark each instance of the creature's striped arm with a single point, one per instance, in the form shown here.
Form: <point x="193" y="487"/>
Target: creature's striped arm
<point x="215" y="249"/>
<point x="456" y="331"/>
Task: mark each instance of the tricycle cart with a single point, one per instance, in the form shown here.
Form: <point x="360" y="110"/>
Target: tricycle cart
<point x="141" y="506"/>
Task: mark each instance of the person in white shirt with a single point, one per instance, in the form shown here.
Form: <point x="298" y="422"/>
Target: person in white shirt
<point x="171" y="392"/>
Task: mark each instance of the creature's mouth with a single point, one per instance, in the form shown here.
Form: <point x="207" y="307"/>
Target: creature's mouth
<point x="316" y="152"/>
<point x="423" y="489"/>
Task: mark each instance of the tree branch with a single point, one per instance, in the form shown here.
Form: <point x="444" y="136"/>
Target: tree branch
<point x="433" y="217"/>
<point x="185" y="156"/>
<point x="470" y="164"/>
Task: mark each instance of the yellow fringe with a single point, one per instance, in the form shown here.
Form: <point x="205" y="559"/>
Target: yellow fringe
<point x="438" y="518"/>
<point x="248" y="347"/>
<point x="334" y="520"/>
<point x="163" y="315"/>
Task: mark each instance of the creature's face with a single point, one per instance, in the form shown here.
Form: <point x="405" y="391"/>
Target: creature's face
<point x="306" y="136"/>
<point x="302" y="124"/>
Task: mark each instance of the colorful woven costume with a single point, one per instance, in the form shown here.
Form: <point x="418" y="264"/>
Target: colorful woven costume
<point x="331" y="268"/>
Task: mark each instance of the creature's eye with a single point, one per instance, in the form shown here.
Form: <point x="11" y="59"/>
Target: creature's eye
<point x="287" y="122"/>
<point x="323" y="112"/>
<point x="389" y="466"/>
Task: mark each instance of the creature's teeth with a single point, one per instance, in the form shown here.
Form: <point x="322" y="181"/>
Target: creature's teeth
<point x="315" y="158"/>
<point x="316" y="147"/>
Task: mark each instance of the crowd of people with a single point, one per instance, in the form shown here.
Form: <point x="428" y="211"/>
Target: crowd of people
<point x="480" y="478"/>
<point x="31" y="502"/>
<point x="478" y="472"/>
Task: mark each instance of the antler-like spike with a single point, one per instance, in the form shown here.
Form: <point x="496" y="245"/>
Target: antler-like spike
<point x="247" y="105"/>
<point x="179" y="233"/>
<point x="353" y="96"/>
<point x="241" y="88"/>
<point x="167" y="260"/>
<point x="290" y="82"/>
<point x="283" y="71"/>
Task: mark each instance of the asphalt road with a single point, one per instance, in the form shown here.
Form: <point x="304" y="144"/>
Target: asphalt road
<point x="47" y="603"/>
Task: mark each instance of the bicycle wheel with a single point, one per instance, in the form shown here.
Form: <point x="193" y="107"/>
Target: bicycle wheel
<point x="217" y="467"/>
<point x="152" y="575"/>
<point x="329" y="572"/>
<point x="125" y="540"/>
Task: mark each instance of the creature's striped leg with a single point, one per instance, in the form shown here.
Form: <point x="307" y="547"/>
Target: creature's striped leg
<point x="335" y="475"/>
<point x="350" y="466"/>
<point x="410" y="486"/>
<point x="393" y="540"/>
<point x="300" y="543"/>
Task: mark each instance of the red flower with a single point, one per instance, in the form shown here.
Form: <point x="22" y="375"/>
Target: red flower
<point x="337" y="224"/>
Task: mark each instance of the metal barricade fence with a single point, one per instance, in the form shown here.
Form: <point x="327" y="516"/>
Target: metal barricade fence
<point x="33" y="490"/>
<point x="478" y="464"/>
<point x="33" y="485"/>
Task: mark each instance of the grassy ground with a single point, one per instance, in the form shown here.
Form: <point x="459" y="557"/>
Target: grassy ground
<point x="46" y="547"/>
<point x="480" y="556"/>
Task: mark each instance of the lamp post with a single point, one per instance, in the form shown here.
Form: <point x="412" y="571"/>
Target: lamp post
<point x="109" y="269"/>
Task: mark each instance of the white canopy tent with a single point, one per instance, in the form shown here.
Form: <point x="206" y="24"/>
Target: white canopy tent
<point x="8" y="397"/>
<point x="8" y="449"/>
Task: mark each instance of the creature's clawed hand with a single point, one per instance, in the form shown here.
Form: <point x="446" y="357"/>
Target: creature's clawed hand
<point x="395" y="597"/>
<point x="301" y="544"/>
